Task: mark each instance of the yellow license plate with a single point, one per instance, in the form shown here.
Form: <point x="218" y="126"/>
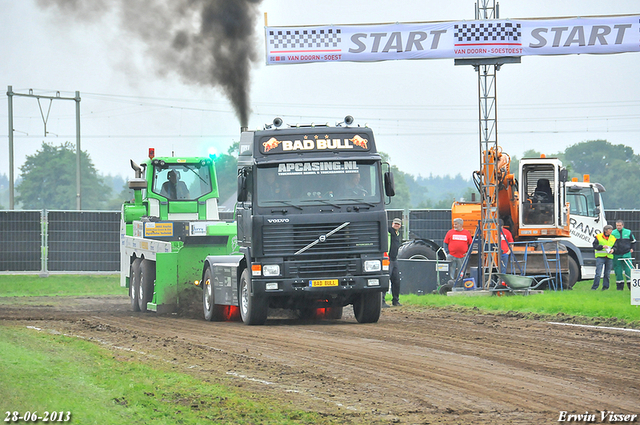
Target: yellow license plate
<point x="327" y="282"/>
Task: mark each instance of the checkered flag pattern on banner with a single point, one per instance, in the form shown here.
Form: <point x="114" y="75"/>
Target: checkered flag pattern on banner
<point x="487" y="32"/>
<point x="304" y="39"/>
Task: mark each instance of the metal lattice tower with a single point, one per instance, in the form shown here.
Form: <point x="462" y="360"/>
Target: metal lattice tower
<point x="486" y="9"/>
<point x="488" y="131"/>
<point x="489" y="165"/>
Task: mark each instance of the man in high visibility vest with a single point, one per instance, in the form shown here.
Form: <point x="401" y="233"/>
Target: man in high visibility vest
<point x="625" y="244"/>
<point x="603" y="243"/>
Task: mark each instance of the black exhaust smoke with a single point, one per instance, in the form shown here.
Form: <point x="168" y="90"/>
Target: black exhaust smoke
<point x="206" y="42"/>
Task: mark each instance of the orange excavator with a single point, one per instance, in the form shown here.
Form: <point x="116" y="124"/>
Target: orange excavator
<point x="532" y="207"/>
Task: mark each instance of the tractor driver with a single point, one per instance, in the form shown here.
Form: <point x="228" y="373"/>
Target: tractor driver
<point x="174" y="188"/>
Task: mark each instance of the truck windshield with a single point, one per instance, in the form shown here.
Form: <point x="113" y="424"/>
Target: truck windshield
<point x="181" y="181"/>
<point x="318" y="183"/>
<point x="582" y="201"/>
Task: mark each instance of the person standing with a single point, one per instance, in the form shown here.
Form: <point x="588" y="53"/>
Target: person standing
<point x="395" y="239"/>
<point x="506" y="238"/>
<point x="625" y="244"/>
<point x="603" y="243"/>
<point x="457" y="242"/>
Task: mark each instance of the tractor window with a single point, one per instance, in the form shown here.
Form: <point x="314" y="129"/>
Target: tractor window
<point x="182" y="181"/>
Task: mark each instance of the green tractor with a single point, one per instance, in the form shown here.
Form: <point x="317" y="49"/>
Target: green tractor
<point x="168" y="230"/>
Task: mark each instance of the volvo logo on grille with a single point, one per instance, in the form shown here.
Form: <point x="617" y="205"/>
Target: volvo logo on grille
<point x="322" y="238"/>
<point x="278" y="220"/>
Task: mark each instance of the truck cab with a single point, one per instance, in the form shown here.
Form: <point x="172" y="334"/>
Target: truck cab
<point x="587" y="220"/>
<point x="311" y="221"/>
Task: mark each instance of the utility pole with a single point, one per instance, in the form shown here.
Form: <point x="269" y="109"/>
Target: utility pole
<point x="78" y="154"/>
<point x="10" y="94"/>
<point x="487" y="69"/>
<point x="11" y="179"/>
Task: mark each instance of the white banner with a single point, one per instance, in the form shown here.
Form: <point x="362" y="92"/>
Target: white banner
<point x="464" y="39"/>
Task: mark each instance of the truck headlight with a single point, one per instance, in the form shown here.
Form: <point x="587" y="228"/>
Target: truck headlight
<point x="271" y="270"/>
<point x="372" y="266"/>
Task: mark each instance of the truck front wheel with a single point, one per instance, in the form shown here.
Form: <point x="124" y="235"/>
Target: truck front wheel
<point x="212" y="311"/>
<point x="253" y="309"/>
<point x="367" y="307"/>
<point x="147" y="278"/>
<point x="134" y="284"/>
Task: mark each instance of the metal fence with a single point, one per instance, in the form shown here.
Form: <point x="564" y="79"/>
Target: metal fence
<point x="59" y="241"/>
<point x="423" y="224"/>
<point x="21" y="241"/>
<point x="434" y="224"/>
<point x="89" y="241"/>
<point x="83" y="241"/>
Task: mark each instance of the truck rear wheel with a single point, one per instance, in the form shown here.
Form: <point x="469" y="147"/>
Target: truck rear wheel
<point x="416" y="251"/>
<point x="314" y="313"/>
<point x="334" y="313"/>
<point x="212" y="311"/>
<point x="147" y="278"/>
<point x="307" y="313"/>
<point x="134" y="284"/>
<point x="367" y="307"/>
<point x="253" y="310"/>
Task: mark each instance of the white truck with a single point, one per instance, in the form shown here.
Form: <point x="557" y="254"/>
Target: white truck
<point x="587" y="219"/>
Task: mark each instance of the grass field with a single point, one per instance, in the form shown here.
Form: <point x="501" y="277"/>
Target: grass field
<point x="581" y="301"/>
<point x="60" y="285"/>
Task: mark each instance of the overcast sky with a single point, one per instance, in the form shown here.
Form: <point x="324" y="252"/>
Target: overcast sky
<point x="423" y="112"/>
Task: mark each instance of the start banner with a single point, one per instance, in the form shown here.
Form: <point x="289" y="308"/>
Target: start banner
<point x="459" y="40"/>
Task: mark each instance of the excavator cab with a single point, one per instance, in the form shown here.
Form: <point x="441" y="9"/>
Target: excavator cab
<point x="543" y="209"/>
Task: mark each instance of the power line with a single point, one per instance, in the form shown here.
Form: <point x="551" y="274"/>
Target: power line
<point x="153" y="101"/>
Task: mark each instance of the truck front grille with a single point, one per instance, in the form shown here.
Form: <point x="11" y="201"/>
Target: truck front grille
<point x="322" y="268"/>
<point x="287" y="239"/>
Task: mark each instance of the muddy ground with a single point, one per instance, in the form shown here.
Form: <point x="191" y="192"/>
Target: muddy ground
<point x="415" y="366"/>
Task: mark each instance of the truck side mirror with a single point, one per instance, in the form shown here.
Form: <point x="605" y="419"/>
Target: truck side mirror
<point x="242" y="186"/>
<point x="389" y="187"/>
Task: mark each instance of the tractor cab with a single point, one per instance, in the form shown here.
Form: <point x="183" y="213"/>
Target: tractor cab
<point x="175" y="189"/>
<point x="182" y="189"/>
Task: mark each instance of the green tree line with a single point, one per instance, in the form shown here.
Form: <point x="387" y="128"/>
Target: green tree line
<point x="48" y="179"/>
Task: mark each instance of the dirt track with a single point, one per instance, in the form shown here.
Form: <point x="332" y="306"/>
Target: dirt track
<point x="414" y="366"/>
